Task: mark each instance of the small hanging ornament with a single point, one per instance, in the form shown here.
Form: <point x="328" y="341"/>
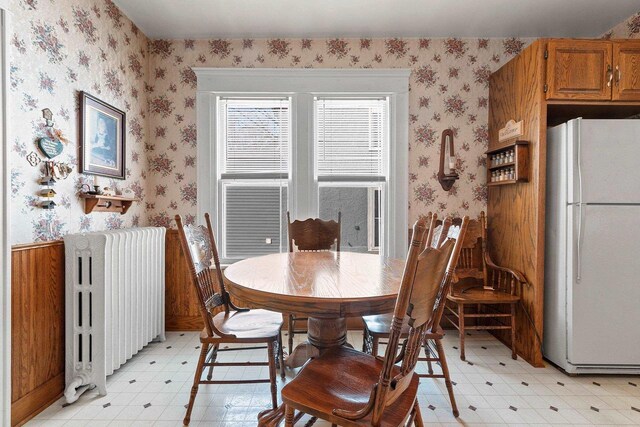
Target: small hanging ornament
<point x="33" y="159"/>
<point x="52" y="144"/>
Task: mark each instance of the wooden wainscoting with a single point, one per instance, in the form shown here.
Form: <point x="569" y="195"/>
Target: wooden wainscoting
<point x="37" y="328"/>
<point x="181" y="301"/>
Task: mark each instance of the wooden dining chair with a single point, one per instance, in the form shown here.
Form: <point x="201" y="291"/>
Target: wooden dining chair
<point x="350" y="388"/>
<point x="310" y="235"/>
<point x="480" y="283"/>
<point x="223" y="321"/>
<point x="377" y="327"/>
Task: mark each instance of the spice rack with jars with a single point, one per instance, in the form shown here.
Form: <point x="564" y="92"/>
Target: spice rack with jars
<point x="509" y="164"/>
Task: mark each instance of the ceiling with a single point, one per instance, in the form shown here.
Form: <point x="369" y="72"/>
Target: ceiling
<point x="179" y="19"/>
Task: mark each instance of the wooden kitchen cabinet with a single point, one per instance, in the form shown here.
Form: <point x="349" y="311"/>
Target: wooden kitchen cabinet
<point x="592" y="70"/>
<point x="579" y="69"/>
<point x="626" y="74"/>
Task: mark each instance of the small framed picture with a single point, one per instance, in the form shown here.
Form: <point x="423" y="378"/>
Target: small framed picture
<point x="102" y="138"/>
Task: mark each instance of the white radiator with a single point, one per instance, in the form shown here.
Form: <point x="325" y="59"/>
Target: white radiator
<point x="114" y="302"/>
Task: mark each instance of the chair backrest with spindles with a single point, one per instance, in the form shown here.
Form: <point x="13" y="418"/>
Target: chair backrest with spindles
<point x="314" y="234"/>
<point x="458" y="234"/>
<point x="471" y="264"/>
<point x="199" y="247"/>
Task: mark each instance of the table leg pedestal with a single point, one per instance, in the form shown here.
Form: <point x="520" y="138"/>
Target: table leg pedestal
<point x="323" y="334"/>
<point x="271" y="417"/>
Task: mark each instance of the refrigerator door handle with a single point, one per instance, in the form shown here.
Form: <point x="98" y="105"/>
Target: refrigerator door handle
<point x="578" y="155"/>
<point x="579" y="245"/>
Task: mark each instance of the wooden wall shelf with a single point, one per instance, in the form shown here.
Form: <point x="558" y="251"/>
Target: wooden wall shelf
<point x="512" y="170"/>
<point x="494" y="167"/>
<point x="509" y="181"/>
<point x="100" y="203"/>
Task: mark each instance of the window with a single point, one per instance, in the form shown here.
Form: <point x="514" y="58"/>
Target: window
<point x="313" y="142"/>
<point x="254" y="141"/>
<point x="351" y="140"/>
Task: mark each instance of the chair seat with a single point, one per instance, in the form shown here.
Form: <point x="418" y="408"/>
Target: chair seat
<point x="380" y="325"/>
<point x="483" y="296"/>
<point x="252" y="325"/>
<point x="342" y="378"/>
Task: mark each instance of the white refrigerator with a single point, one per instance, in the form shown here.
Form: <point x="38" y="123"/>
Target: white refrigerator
<point x="592" y="250"/>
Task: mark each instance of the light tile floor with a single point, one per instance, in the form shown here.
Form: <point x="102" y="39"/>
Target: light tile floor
<point x="153" y="388"/>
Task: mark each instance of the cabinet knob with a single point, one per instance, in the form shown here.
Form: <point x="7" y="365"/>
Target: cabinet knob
<point x="609" y="76"/>
<point x="618" y="75"/>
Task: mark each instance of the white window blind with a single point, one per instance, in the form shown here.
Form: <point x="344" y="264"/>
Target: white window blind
<point x="254" y="220"/>
<point x="255" y="139"/>
<point x="350" y="137"/>
<point x="256" y="135"/>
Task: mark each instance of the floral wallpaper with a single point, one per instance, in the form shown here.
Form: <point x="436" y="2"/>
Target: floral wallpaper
<point x="449" y="88"/>
<point x="58" y="48"/>
<point x="61" y="47"/>
<point x="627" y="29"/>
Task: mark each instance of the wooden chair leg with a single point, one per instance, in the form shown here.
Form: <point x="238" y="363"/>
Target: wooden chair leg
<point x="514" y="355"/>
<point x="212" y="359"/>
<point x="447" y="378"/>
<point x="281" y="356"/>
<point x="196" y="382"/>
<point x="417" y="415"/>
<point x="374" y="345"/>
<point x="272" y="374"/>
<point x="461" y="329"/>
<point x="427" y="353"/>
<point x="288" y="416"/>
<point x="290" y="327"/>
<point x="365" y="337"/>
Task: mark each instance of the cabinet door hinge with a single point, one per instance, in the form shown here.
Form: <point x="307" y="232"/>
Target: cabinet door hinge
<point x="546" y="54"/>
<point x="546" y="88"/>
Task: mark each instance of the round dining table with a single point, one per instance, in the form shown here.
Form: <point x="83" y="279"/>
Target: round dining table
<point x="327" y="287"/>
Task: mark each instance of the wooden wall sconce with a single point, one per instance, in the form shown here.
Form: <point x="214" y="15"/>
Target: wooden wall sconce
<point x="447" y="179"/>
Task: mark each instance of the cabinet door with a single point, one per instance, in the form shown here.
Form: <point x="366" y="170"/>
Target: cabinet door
<point x="626" y="76"/>
<point x="579" y="69"/>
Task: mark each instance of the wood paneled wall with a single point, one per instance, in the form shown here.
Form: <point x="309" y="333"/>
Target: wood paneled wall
<point x="37" y="328"/>
<point x="516" y="212"/>
<point x="181" y="301"/>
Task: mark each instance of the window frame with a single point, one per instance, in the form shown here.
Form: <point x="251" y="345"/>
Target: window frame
<point x="371" y="219"/>
<point x="303" y="85"/>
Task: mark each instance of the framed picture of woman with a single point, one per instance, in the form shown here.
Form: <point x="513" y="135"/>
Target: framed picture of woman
<point x="102" y="138"/>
